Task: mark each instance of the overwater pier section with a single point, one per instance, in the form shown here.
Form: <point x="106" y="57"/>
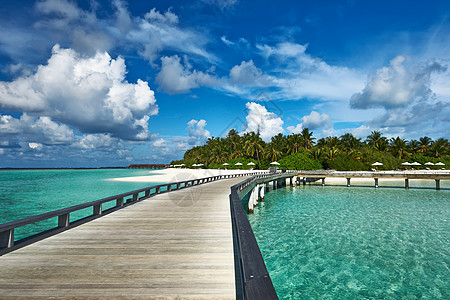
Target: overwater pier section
<point x="437" y="176"/>
<point x="188" y="239"/>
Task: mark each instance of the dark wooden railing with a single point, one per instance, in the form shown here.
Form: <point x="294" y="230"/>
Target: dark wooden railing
<point x="252" y="278"/>
<point x="8" y="244"/>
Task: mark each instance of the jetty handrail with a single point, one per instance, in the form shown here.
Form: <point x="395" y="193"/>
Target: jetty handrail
<point x="7" y="243"/>
<point x="252" y="278"/>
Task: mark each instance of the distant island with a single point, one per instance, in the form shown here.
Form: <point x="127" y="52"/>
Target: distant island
<point x="147" y="166"/>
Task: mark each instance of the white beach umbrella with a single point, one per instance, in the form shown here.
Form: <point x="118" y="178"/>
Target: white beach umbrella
<point x="439" y="164"/>
<point x="429" y="164"/>
<point x="238" y="164"/>
<point x="416" y="164"/>
<point x="406" y="163"/>
<point x="225" y="164"/>
<point x="377" y="164"/>
<point x="195" y="165"/>
<point x="274" y="163"/>
<point x="251" y="164"/>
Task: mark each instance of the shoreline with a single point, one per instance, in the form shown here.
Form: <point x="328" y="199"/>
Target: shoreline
<point x="175" y="175"/>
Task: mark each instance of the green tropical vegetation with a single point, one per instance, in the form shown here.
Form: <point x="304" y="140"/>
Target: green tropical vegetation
<point x="302" y="152"/>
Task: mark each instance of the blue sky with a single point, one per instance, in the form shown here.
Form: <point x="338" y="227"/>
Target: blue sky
<point x="109" y="83"/>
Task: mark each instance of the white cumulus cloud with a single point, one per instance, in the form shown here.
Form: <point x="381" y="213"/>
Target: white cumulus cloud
<point x="197" y="132"/>
<point x="396" y="85"/>
<point x="247" y="74"/>
<point x="89" y="93"/>
<point x="316" y="120"/>
<point x="259" y="119"/>
<point x="176" y="78"/>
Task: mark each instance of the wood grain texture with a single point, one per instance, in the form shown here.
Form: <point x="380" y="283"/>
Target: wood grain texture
<point x="176" y="245"/>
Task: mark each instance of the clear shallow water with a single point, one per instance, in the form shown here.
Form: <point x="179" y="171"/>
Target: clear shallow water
<point x="25" y="193"/>
<point x="356" y="243"/>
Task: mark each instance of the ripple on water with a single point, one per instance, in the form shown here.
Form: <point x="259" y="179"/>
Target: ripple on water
<point x="344" y="243"/>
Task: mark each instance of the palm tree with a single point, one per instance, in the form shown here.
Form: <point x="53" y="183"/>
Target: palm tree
<point x="398" y="147"/>
<point x="306" y="138"/>
<point x="280" y="142"/>
<point x="233" y="139"/>
<point x="294" y="143"/>
<point x="332" y="143"/>
<point x="254" y="145"/>
<point x="322" y="142"/>
<point x="424" y="143"/>
<point x="413" y="146"/>
<point x="272" y="153"/>
<point x="349" y="143"/>
<point x="439" y="147"/>
<point x="377" y="141"/>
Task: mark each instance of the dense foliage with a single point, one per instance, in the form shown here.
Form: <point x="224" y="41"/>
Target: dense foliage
<point x="300" y="151"/>
<point x="299" y="161"/>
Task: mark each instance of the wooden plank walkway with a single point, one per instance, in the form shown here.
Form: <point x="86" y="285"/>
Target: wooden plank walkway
<point x="176" y="245"/>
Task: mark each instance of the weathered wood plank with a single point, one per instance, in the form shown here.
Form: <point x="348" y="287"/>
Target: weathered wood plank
<point x="177" y="244"/>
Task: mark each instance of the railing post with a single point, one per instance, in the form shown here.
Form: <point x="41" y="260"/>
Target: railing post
<point x="97" y="209"/>
<point x="178" y="185"/>
<point x="348" y="181"/>
<point x="169" y="187"/>
<point x="438" y="185"/>
<point x="376" y="182"/>
<point x="158" y="190"/>
<point x="7" y="238"/>
<point x="135" y="196"/>
<point x="406" y="183"/>
<point x="64" y="220"/>
<point x="119" y="202"/>
<point x="147" y="193"/>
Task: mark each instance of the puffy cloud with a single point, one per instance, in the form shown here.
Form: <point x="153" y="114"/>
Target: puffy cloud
<point x="38" y="130"/>
<point x="96" y="142"/>
<point x="295" y="129"/>
<point x="90" y="93"/>
<point x="313" y="121"/>
<point x="404" y="91"/>
<point x="316" y="120"/>
<point x="260" y="120"/>
<point x="197" y="132"/>
<point x="248" y="74"/>
<point x="396" y="86"/>
<point x="175" y="78"/>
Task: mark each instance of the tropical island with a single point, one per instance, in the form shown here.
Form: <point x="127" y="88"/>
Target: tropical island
<point x="302" y="152"/>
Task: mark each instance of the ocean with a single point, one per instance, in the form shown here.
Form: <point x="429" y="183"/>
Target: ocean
<point x="25" y="193"/>
<point x="335" y="242"/>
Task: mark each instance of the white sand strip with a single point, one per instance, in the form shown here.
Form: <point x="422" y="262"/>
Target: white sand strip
<point x="175" y="175"/>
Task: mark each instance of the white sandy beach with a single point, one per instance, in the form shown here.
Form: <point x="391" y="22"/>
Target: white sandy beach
<point x="174" y="175"/>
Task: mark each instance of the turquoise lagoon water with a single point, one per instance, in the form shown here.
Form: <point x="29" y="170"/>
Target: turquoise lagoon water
<point x="25" y="193"/>
<point x="356" y="243"/>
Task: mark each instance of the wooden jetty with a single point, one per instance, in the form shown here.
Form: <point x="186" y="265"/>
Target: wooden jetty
<point x="376" y="175"/>
<point x="173" y="245"/>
